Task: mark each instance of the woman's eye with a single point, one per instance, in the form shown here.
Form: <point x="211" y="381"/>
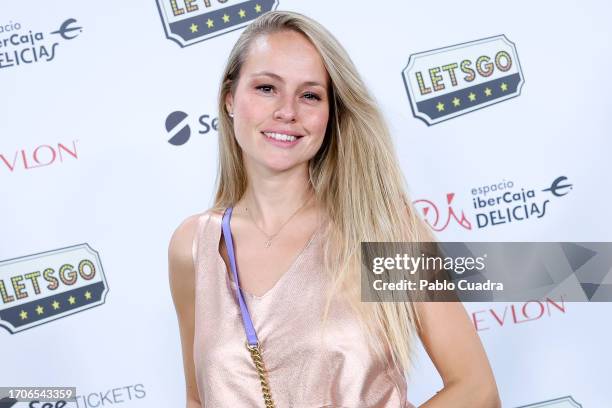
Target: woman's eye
<point x="265" y="88"/>
<point x="312" y="96"/>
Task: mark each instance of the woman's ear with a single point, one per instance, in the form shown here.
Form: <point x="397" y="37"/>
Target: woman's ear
<point x="229" y="103"/>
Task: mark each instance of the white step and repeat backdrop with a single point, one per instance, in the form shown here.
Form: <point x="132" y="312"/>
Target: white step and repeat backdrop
<point x="108" y="140"/>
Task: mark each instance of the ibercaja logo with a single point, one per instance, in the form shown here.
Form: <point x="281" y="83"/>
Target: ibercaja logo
<point x="451" y="81"/>
<point x="39" y="288"/>
<point x="191" y="21"/>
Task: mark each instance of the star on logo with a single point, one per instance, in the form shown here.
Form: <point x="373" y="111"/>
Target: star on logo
<point x="88" y="295"/>
<point x="440" y="106"/>
<point x="23" y="315"/>
<point x="472" y="96"/>
<point x="71" y="300"/>
<point x="225" y="18"/>
<point x="194" y="28"/>
<point x="504" y="86"/>
<point x="40" y="309"/>
<point x="456" y="102"/>
<point x="210" y="23"/>
<point x="242" y="13"/>
<point x="258" y="8"/>
<point x="488" y="91"/>
<point x="55" y="304"/>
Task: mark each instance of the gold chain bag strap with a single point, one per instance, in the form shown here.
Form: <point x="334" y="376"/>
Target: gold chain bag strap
<point x="252" y="343"/>
<point x="261" y="370"/>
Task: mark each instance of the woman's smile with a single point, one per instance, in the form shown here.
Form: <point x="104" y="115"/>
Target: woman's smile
<point x="282" y="139"/>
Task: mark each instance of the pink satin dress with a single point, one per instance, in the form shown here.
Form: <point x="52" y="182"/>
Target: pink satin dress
<point x="308" y="366"/>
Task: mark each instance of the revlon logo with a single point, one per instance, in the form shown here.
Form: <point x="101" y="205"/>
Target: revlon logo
<point x="516" y="313"/>
<point x="40" y="156"/>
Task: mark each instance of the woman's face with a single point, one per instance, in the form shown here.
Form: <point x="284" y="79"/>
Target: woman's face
<point x="280" y="103"/>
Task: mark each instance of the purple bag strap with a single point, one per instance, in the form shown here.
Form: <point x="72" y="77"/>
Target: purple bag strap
<point x="244" y="311"/>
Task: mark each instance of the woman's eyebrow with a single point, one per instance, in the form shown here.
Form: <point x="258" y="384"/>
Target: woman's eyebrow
<point x="279" y="78"/>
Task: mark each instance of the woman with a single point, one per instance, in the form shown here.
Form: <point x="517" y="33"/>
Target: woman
<point x="308" y="170"/>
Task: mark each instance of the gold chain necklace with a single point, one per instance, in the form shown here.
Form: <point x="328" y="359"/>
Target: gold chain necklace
<point x="269" y="238"/>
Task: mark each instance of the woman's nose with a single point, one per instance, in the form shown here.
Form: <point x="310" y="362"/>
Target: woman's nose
<point x="286" y="111"/>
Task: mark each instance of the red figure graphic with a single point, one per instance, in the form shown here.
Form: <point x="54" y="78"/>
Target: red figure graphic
<point x="431" y="214"/>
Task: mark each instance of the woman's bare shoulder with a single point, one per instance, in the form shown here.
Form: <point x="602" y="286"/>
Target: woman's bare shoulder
<point x="181" y="249"/>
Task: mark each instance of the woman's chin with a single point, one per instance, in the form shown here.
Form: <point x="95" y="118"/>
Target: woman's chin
<point x="281" y="166"/>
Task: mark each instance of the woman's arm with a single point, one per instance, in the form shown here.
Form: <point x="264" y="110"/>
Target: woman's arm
<point x="182" y="287"/>
<point x="455" y="349"/>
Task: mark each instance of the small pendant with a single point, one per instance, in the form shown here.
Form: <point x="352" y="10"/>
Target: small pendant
<point x="268" y="243"/>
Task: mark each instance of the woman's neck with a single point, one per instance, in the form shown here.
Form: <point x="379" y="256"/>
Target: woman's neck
<point x="273" y="198"/>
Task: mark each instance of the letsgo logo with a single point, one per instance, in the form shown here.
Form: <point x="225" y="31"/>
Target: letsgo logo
<point x="563" y="402"/>
<point x="39" y="288"/>
<point x="40" y="156"/>
<point x="190" y="21"/>
<point x="19" y="47"/>
<point x="494" y="204"/>
<point x="179" y="129"/>
<point x="451" y="81"/>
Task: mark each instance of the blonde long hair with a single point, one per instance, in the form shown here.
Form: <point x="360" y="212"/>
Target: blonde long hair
<point x="355" y="176"/>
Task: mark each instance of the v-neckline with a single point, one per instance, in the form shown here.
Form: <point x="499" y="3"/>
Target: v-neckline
<point x="278" y="282"/>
